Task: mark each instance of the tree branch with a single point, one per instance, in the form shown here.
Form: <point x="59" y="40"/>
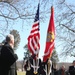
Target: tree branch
<point x="68" y="28"/>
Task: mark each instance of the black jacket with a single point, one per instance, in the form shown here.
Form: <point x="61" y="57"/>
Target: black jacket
<point x="8" y="59"/>
<point x="72" y="70"/>
<point x="62" y="71"/>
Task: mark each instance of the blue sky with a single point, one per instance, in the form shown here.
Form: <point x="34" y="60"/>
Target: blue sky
<point x="25" y="31"/>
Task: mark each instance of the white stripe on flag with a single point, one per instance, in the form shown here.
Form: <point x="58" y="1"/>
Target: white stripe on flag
<point x="35" y="52"/>
<point x="36" y="27"/>
<point x="34" y="33"/>
<point x="36" y="43"/>
<point x="49" y="49"/>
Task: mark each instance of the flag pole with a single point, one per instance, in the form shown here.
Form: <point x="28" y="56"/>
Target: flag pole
<point x="39" y="19"/>
<point x="39" y="13"/>
<point x="37" y="63"/>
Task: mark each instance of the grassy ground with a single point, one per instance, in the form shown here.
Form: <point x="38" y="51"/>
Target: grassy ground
<point x="20" y="73"/>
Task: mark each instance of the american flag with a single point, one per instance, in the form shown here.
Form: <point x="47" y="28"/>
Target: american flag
<point x="34" y="37"/>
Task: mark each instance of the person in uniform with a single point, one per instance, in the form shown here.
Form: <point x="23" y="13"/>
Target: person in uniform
<point x="49" y="66"/>
<point x="36" y="64"/>
<point x="27" y="68"/>
<point x="42" y="67"/>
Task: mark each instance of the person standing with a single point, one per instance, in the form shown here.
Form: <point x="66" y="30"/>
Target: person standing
<point x="55" y="70"/>
<point x="62" y="70"/>
<point x="27" y="68"/>
<point x="8" y="58"/>
<point x="72" y="69"/>
<point x="48" y="67"/>
<point x="27" y="65"/>
<point x="35" y="65"/>
<point x="42" y="68"/>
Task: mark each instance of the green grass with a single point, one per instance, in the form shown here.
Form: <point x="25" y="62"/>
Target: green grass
<point x="20" y="73"/>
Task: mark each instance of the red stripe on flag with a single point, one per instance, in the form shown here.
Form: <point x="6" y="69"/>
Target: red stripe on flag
<point x="35" y="24"/>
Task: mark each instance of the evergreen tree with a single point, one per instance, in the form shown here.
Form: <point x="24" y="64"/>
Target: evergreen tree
<point x="54" y="57"/>
<point x="16" y="38"/>
<point x="26" y="53"/>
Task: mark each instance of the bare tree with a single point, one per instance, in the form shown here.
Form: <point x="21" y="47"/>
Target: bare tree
<point x="11" y="10"/>
<point x="65" y="25"/>
<point x="66" y="28"/>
